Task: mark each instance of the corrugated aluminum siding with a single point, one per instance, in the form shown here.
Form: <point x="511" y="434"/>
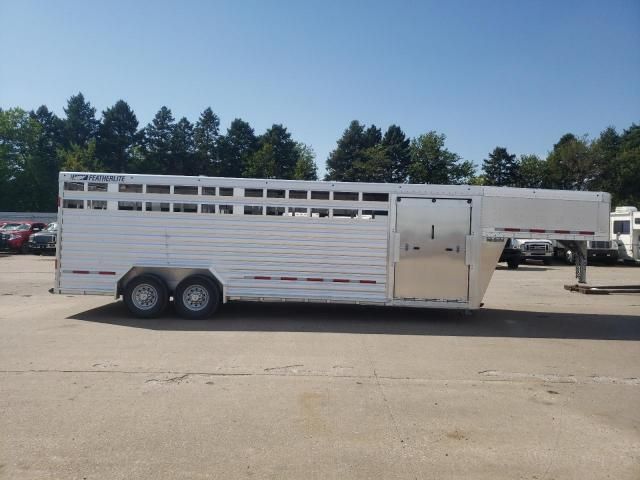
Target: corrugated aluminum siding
<point x="238" y="247"/>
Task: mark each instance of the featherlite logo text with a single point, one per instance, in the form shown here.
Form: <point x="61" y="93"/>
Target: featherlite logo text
<point x="82" y="177"/>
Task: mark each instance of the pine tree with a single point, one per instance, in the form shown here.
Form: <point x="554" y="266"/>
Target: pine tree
<point x="501" y="168"/>
<point x="45" y="165"/>
<point x="340" y="164"/>
<point x="206" y="135"/>
<point x="183" y="150"/>
<point x="398" y="151"/>
<point x="158" y="144"/>
<point x="117" y="135"/>
<point x="284" y="150"/>
<point x="80" y="125"/>
<point x="262" y="163"/>
<point x="236" y="147"/>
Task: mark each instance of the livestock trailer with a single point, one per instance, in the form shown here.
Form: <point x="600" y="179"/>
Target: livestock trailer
<point x="202" y="241"/>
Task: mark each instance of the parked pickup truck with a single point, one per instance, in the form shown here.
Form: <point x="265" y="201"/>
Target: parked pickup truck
<point x="44" y="241"/>
<point x="15" y="236"/>
<point x="533" y="249"/>
<point x="511" y="254"/>
<point x="603" y="251"/>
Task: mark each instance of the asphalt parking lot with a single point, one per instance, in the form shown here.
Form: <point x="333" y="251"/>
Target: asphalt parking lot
<point x="540" y="384"/>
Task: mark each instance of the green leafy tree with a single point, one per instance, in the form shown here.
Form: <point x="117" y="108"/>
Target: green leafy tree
<point x="571" y="165"/>
<point x="432" y="162"/>
<point x="158" y="144"/>
<point x="80" y="158"/>
<point x="398" y="151"/>
<point x="236" y="147"/>
<point x="206" y="136"/>
<point x="262" y="163"/>
<point x="533" y="172"/>
<point x="80" y="124"/>
<point x="501" y="168"/>
<point x="306" y="168"/>
<point x="117" y="135"/>
<point x="341" y="161"/>
<point x="373" y="165"/>
<point x="19" y="133"/>
<point x="627" y="191"/>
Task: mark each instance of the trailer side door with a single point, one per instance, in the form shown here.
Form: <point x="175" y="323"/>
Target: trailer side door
<point x="431" y="262"/>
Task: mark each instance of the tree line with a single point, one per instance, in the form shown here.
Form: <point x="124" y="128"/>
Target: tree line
<point x="36" y="145"/>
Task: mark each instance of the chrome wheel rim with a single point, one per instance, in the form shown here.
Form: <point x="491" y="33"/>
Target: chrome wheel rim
<point x="145" y="296"/>
<point x="195" y="297"/>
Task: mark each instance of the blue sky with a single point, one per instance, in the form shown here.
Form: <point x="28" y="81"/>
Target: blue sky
<point x="512" y="73"/>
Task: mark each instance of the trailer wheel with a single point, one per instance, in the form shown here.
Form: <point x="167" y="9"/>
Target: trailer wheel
<point x="196" y="297"/>
<point x="546" y="261"/>
<point x="146" y="296"/>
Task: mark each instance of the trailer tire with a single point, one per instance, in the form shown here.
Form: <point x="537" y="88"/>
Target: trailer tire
<point x="196" y="297"/>
<point x="546" y="261"/>
<point x="146" y="296"/>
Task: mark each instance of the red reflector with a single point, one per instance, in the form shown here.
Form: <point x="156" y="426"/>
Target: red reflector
<point x="367" y="281"/>
<point x="314" y="280"/>
<point x="586" y="233"/>
<point x="288" y="278"/>
<point x="83" y="272"/>
<point x="536" y="230"/>
<point x="562" y="231"/>
<point x="262" y="278"/>
<point x="511" y="229"/>
<point x="340" y="280"/>
<point x="106" y="273"/>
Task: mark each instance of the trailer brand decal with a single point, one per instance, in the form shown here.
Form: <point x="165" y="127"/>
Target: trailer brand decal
<point x="84" y="177"/>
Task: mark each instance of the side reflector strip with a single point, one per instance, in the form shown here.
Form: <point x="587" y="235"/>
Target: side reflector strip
<point x="541" y="230"/>
<point x="312" y="279"/>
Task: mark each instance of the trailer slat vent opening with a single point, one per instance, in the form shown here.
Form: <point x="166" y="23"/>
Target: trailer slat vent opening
<point x="130" y="188"/>
<point x="97" y="187"/>
<point x="74" y="186"/>
<point x="318" y="195"/>
<point x="157" y="206"/>
<point x="225" y="209"/>
<point x="375" y="197"/>
<point x="208" y="208"/>
<point x="345" y="196"/>
<point x="71" y="203"/>
<point x="130" y="206"/>
<point x="162" y="189"/>
<point x="185" y="207"/>
<point x="185" y="190"/>
<point x="275" y="193"/>
<point x="254" y="192"/>
<point x="253" y="210"/>
<point x="275" y="211"/>
<point x="298" y="194"/>
<point x="97" y="204"/>
<point x="209" y="191"/>
<point x="226" y="192"/>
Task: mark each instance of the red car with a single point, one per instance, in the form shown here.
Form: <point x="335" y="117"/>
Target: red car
<point x="15" y="235"/>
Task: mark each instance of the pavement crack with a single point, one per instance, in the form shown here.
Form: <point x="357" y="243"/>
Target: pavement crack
<point x="283" y="367"/>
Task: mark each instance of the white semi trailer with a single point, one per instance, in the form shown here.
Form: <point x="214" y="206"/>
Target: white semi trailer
<point x="204" y="241"/>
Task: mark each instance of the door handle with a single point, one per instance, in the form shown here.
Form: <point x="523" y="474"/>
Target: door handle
<point x="449" y="249"/>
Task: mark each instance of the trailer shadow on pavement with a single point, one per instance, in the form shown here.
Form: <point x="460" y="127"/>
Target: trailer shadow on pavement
<point x="305" y="317"/>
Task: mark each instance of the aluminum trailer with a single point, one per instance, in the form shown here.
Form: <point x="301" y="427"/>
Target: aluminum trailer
<point x="206" y="240"/>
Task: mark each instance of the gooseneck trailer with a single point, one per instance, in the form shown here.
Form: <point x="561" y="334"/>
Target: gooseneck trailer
<point x="202" y="241"/>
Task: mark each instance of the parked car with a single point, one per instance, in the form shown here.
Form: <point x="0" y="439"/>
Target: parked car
<point x="15" y="236"/>
<point x="44" y="241"/>
<point x="6" y="226"/>
<point x="511" y="254"/>
<point x="597" y="251"/>
<point x="534" y="249"/>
